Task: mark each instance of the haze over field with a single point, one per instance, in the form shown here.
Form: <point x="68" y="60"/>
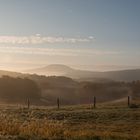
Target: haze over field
<point x="94" y="41"/>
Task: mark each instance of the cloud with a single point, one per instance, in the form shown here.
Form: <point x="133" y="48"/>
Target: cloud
<point x="56" y="51"/>
<point x="38" y="39"/>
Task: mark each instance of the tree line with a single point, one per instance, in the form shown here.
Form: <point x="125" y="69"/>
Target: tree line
<point x="17" y="89"/>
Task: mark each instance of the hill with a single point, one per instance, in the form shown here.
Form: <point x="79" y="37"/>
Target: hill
<point x="54" y="69"/>
<point x="81" y="91"/>
<point x="9" y="73"/>
<point x="62" y="70"/>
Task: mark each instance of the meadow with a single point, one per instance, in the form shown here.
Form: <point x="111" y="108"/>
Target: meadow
<point x="81" y="122"/>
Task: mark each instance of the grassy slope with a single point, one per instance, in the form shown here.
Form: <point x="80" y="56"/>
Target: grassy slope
<point x="107" y="122"/>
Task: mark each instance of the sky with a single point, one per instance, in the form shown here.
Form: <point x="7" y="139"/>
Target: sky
<point x="85" y="34"/>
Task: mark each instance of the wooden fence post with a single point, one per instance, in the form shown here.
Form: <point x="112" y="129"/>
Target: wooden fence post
<point x="58" y="103"/>
<point x="28" y="103"/>
<point x="128" y="101"/>
<point x="94" y="102"/>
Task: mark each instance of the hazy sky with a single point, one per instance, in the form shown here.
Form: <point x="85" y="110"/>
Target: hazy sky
<point x="87" y="34"/>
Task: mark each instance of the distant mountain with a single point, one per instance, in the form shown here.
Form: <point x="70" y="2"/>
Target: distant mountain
<point x="79" y="75"/>
<point x="54" y="69"/>
<point x="62" y="70"/>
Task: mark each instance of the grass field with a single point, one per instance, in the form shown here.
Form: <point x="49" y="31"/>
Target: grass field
<point x="106" y="122"/>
